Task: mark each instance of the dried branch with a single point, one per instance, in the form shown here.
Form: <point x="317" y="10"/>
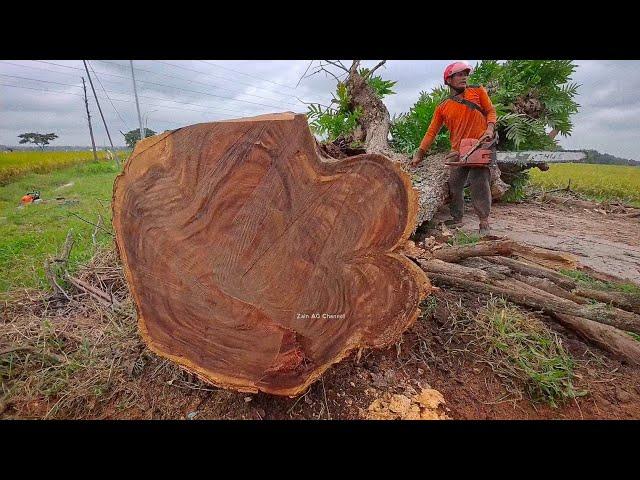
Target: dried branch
<point x="94" y="292"/>
<point x="338" y="64"/>
<point x="303" y="75"/>
<point x="51" y="278"/>
<point x="66" y="249"/>
<point x="321" y="104"/>
<point x="95" y="230"/>
<point x="321" y="68"/>
<point x="91" y="223"/>
<point x="375" y="68"/>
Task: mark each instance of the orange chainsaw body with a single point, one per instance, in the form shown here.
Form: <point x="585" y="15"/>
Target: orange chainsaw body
<point x="481" y="157"/>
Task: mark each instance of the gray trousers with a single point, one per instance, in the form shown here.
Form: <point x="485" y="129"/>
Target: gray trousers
<point x="480" y="179"/>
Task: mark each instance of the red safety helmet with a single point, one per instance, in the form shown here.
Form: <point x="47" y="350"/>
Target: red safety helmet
<point x="455" y="68"/>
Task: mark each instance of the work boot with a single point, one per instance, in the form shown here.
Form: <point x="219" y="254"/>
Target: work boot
<point x="453" y="223"/>
<point x="484" y="229"/>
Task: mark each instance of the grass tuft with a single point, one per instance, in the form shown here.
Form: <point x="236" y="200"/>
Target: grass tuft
<point x="587" y="281"/>
<point x="526" y="354"/>
<point x="462" y="238"/>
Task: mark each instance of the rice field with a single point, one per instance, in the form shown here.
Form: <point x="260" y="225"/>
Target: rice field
<point x="18" y="163"/>
<point x="29" y="234"/>
<point x="596" y="181"/>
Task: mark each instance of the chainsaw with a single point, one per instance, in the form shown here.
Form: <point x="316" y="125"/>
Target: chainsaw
<point x="471" y="155"/>
<point x="30" y="197"/>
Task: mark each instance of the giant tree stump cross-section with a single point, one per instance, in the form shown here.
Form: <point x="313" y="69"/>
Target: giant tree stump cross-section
<point x="255" y="263"/>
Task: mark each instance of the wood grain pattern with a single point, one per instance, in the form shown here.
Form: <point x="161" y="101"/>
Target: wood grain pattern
<point x="234" y="234"/>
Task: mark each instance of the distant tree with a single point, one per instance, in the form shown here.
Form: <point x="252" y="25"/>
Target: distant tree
<point x="40" y="139"/>
<point x="132" y="136"/>
<point x="593" y="156"/>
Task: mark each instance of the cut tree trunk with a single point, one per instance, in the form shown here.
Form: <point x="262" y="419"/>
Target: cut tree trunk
<point x="256" y="264"/>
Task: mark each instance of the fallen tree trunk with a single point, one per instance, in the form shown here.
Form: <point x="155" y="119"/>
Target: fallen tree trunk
<point x="254" y="263"/>
<point x="438" y="266"/>
<point x="431" y="176"/>
<point x="627" y="301"/>
<point x="480" y="249"/>
<point x="534" y="270"/>
<point x="609" y="338"/>
<point x="537" y="287"/>
<point x="548" y="286"/>
<point x="544" y="257"/>
<point x="546" y="302"/>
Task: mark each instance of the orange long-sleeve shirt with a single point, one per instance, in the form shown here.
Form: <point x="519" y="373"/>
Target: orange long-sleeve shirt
<point x="462" y="121"/>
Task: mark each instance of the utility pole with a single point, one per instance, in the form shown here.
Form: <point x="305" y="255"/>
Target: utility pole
<point x="135" y="93"/>
<point x="101" y="115"/>
<point x="86" y="105"/>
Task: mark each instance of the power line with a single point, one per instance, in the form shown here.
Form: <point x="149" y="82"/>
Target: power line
<point x="248" y="75"/>
<point x="42" y="90"/>
<point x="120" y="93"/>
<point x="162" y="84"/>
<point x="211" y="94"/>
<point x="72" y="75"/>
<point x="38" y="80"/>
<point x="118" y="100"/>
<point x="165" y="85"/>
<point x="220" y="76"/>
<point x="182" y="78"/>
<point x="201" y="83"/>
<point x="38" y="68"/>
<point x="82" y="96"/>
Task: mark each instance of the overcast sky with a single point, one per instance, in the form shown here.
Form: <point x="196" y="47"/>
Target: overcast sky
<point x="46" y="96"/>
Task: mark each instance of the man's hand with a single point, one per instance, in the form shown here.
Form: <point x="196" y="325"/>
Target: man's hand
<point x="452" y="156"/>
<point x="417" y="158"/>
<point x="488" y="134"/>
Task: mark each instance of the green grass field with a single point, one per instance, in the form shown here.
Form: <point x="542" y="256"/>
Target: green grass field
<point x="15" y="164"/>
<point x="31" y="233"/>
<point x="599" y="182"/>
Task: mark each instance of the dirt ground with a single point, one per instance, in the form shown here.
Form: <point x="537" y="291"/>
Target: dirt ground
<point x="430" y="356"/>
<point x="604" y="241"/>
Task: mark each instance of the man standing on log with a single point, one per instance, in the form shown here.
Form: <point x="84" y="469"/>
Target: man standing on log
<point x="467" y="113"/>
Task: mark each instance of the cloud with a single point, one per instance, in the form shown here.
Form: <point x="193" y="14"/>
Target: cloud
<point x="177" y="93"/>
